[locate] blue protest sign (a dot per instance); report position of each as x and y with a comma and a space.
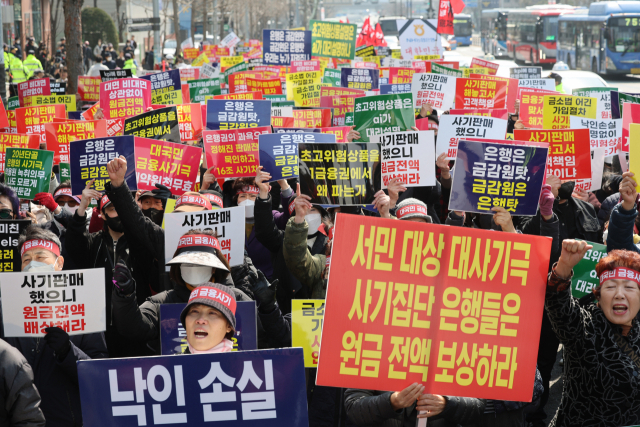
165, 87
279, 153
297, 130
360, 78
283, 46
89, 157
384, 80
173, 337
396, 88
75, 115
254, 388
491, 174
237, 114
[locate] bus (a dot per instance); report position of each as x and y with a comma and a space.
493, 32
605, 39
462, 27
531, 33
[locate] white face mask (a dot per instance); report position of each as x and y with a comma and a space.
40, 266
195, 274
248, 207
69, 209
315, 221
604, 236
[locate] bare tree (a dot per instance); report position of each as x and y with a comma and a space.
55, 10
176, 25
73, 33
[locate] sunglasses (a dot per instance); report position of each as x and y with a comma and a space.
6, 214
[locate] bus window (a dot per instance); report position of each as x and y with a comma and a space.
461, 27
549, 28
625, 35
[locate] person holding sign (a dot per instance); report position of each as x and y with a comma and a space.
54, 357
623, 217
601, 342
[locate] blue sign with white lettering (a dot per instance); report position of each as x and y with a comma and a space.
237, 114
250, 388
360, 78
173, 336
395, 88
297, 130
283, 46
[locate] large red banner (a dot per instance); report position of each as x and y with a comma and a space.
476, 93
32, 119
512, 88
456, 309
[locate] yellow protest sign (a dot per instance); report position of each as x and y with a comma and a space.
375, 59
426, 57
475, 70
396, 53
170, 207
201, 59
168, 97
557, 109
297, 29
230, 61
300, 79
509, 137
308, 95
306, 328
634, 151
69, 101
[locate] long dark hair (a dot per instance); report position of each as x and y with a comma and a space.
219, 276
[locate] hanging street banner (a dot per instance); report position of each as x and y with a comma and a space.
375, 115
233, 153
27, 171
332, 39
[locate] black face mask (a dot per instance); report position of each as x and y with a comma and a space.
566, 190
154, 215
114, 223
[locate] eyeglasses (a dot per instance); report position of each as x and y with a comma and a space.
6, 214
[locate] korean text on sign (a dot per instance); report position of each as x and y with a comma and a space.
283, 46
437, 90
306, 328
279, 153
409, 156
59, 135
476, 93
603, 133
10, 230
375, 115
454, 128
28, 171
458, 310
236, 114
233, 153
558, 108
161, 124
14, 140
124, 98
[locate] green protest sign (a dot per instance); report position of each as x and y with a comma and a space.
439, 69
331, 77
28, 171
13, 103
65, 172
242, 66
332, 39
283, 104
199, 89
348, 119
585, 279
375, 115
276, 98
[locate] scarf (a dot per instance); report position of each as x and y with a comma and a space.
224, 347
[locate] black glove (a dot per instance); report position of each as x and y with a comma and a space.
245, 272
265, 295
122, 280
161, 192
59, 342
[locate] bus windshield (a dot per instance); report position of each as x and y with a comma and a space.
461, 27
389, 27
549, 28
625, 34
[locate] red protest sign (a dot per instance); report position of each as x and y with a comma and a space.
115, 127
399, 75
341, 104
569, 151
340, 132
630, 114
32, 88
498, 113
4, 119
445, 18
124, 98
166, 163
312, 118
476, 93
531, 103
238, 82
31, 120
337, 91
240, 95
298, 66
265, 86
233, 153
282, 122
425, 66
89, 113
190, 52
189, 121
187, 74
59, 135
491, 66
89, 88
512, 88
14, 140
458, 310
425, 124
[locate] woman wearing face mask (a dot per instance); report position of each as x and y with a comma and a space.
197, 260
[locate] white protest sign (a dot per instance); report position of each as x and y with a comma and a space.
228, 224
230, 40
72, 300
282, 111
409, 156
597, 167
418, 37
395, 62
603, 95
547, 84
208, 71
453, 128
605, 133
436, 89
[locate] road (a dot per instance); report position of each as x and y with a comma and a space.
464, 54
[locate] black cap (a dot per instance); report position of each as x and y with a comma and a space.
127, 55
30, 51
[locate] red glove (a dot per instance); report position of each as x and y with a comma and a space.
546, 200
46, 200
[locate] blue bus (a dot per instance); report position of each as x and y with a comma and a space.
493, 32
462, 28
605, 39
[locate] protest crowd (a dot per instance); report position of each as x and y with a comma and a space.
347, 234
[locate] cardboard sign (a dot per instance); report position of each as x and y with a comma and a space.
10, 230
481, 63
437, 90
585, 279
546, 84
531, 103
454, 128
89, 158
14, 140
28, 171
361, 316
306, 328
274, 380
72, 300
375, 115
31, 120
339, 174
409, 156
603, 96
160, 124
108, 75
233, 153
124, 98
237, 114
525, 72
173, 335
418, 37
228, 224
506, 175
89, 88
569, 151
477, 93
557, 109
33, 87
360, 78
59, 135
174, 165
166, 87
603, 133
333, 39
